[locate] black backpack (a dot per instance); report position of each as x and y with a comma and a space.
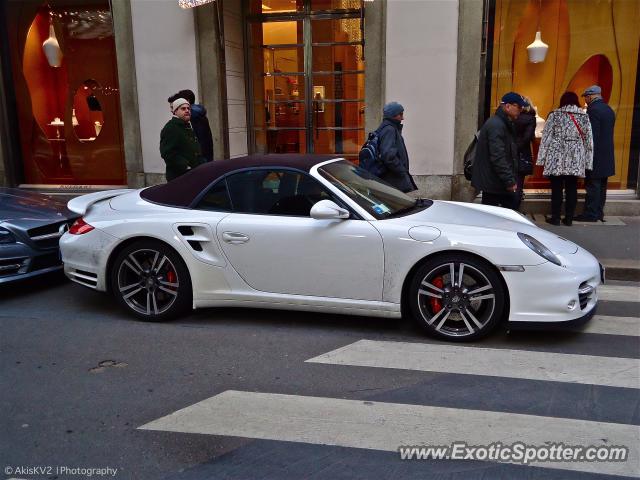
470, 156
369, 156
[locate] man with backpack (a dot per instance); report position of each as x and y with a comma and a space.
496, 161
393, 159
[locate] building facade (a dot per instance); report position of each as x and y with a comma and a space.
85, 83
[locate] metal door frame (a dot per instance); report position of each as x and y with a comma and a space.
306, 16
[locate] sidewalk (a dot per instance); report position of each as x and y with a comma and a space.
615, 243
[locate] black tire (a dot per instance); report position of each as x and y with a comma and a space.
151, 281
453, 311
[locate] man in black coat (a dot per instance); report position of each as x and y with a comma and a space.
199, 123
393, 152
495, 167
525, 126
603, 119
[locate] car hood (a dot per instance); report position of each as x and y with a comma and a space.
485, 216
30, 209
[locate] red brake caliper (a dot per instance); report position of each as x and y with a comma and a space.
436, 304
171, 276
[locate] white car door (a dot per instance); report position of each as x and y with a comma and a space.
286, 251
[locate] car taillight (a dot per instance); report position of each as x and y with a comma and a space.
80, 227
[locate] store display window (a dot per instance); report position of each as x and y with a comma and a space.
307, 81
542, 48
63, 67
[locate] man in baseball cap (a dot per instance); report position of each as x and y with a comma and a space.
603, 119
495, 167
513, 98
592, 90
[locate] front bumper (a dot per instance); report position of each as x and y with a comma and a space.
19, 262
550, 293
554, 326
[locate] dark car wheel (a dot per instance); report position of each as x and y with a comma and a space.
457, 297
150, 280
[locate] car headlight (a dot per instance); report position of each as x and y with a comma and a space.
6, 236
539, 248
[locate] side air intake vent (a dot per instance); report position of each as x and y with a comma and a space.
195, 245
201, 241
186, 230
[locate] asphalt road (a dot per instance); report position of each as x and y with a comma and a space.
79, 378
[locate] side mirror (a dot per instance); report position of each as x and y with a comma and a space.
326, 209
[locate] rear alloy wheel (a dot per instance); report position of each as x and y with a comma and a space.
150, 280
457, 297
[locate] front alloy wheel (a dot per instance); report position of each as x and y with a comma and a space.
150, 280
458, 297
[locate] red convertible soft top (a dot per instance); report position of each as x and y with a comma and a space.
183, 190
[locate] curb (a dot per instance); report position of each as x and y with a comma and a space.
617, 272
621, 269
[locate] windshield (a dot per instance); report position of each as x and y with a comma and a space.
371, 193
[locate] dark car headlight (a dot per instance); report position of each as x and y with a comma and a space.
539, 248
6, 236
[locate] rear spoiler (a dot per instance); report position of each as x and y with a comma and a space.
82, 203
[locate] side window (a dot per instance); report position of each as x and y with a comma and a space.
275, 192
246, 192
216, 199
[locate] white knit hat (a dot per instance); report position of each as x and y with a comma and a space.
177, 103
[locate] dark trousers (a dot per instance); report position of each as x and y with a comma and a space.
570, 185
520, 190
506, 200
596, 196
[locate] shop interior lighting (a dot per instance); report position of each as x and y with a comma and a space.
537, 50
51, 47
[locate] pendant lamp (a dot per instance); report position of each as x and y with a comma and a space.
51, 47
537, 50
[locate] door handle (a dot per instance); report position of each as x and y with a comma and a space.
234, 237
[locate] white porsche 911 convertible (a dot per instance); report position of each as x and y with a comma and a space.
318, 233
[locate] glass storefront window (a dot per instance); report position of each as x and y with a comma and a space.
339, 141
269, 7
348, 56
589, 43
275, 6
347, 86
338, 30
66, 86
319, 5
281, 115
307, 79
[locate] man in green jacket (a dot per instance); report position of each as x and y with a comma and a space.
179, 146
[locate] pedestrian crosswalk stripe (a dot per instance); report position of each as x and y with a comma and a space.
609, 325
619, 293
557, 367
387, 426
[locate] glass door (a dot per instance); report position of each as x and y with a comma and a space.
307, 76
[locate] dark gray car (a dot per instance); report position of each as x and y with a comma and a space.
31, 225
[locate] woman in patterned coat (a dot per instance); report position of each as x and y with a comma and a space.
566, 151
